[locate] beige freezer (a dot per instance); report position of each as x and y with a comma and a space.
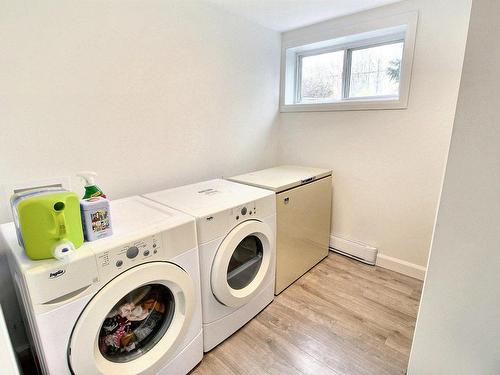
303, 205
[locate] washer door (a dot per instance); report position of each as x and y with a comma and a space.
242, 262
134, 324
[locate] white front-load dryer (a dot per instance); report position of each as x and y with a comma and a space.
236, 227
126, 304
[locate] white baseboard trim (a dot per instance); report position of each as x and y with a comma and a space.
401, 266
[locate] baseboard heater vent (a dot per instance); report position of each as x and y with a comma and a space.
354, 249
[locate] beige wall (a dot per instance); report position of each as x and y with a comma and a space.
388, 165
458, 326
150, 94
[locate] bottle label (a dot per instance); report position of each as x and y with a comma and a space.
99, 220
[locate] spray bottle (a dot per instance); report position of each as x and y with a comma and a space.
95, 209
91, 189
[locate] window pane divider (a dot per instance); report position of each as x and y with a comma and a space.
346, 74
298, 79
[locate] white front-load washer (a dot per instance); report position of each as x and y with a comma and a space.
236, 227
126, 304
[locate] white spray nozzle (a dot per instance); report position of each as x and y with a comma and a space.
88, 177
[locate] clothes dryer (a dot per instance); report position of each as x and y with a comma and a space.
236, 226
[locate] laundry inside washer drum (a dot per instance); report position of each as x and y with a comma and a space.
136, 323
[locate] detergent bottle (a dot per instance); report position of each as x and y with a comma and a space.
95, 209
91, 189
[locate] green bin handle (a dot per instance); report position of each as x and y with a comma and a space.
60, 219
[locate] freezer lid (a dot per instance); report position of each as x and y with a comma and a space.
282, 178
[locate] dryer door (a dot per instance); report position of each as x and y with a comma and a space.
134, 324
242, 263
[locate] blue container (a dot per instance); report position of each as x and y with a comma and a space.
96, 218
20, 196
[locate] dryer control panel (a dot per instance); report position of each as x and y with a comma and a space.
244, 212
220, 223
114, 261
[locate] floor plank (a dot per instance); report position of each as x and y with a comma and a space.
341, 318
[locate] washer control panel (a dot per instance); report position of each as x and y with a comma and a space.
114, 261
132, 252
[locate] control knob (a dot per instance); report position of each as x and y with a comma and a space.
132, 252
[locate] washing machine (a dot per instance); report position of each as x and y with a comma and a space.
236, 226
126, 304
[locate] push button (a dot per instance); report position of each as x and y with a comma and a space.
244, 211
119, 263
132, 252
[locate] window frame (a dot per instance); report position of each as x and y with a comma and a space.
302, 43
346, 71
348, 78
298, 74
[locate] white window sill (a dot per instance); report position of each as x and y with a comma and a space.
347, 105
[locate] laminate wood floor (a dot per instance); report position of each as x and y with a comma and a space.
342, 317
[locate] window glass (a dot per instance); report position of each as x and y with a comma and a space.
375, 71
245, 262
136, 323
321, 77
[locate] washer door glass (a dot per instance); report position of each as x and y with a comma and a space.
245, 262
136, 323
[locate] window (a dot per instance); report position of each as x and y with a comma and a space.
367, 70
375, 71
321, 77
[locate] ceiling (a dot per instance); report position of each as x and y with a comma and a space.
284, 15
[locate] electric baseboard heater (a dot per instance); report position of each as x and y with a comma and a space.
354, 249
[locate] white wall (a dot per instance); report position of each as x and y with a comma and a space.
458, 326
388, 165
150, 94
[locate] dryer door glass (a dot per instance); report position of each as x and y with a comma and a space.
245, 262
136, 323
